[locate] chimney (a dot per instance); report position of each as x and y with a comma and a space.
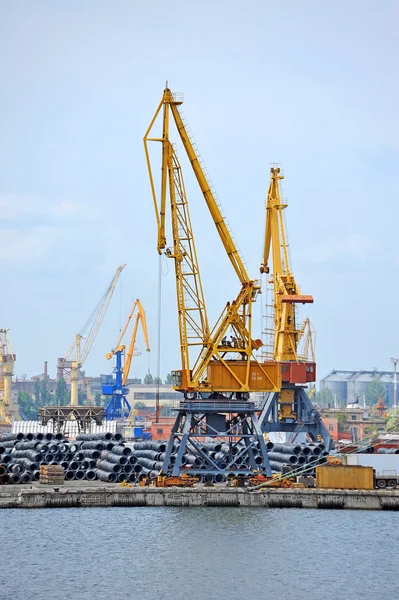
45, 368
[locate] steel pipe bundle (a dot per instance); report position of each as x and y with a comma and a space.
157, 446
31, 445
104, 465
307, 459
8, 444
21, 456
276, 466
106, 476
115, 458
94, 454
6, 437
279, 457
121, 450
288, 449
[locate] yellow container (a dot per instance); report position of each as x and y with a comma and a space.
261, 378
345, 477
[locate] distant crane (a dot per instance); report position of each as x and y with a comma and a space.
76, 355
8, 410
118, 407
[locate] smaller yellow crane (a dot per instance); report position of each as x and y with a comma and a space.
288, 411
286, 290
8, 410
118, 407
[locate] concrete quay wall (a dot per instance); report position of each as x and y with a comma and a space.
108, 496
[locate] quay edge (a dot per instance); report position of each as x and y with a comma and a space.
112, 496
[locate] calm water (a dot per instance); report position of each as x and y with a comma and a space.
198, 554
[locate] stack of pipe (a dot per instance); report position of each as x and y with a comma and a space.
296, 457
107, 458
282, 457
21, 456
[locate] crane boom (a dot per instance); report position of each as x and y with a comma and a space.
96, 318
140, 317
220, 365
173, 101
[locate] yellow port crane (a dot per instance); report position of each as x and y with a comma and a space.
289, 409
219, 367
222, 365
77, 354
118, 405
286, 292
8, 410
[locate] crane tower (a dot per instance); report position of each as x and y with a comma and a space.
288, 410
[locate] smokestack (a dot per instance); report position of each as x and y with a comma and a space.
45, 368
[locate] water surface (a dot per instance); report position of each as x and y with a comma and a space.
198, 554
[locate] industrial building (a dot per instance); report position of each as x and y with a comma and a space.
349, 387
147, 394
353, 424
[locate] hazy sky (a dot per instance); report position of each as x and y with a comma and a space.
311, 85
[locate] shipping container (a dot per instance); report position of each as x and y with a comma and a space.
345, 477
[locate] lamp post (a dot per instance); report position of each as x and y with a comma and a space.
394, 362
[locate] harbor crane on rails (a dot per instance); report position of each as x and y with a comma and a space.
8, 410
219, 368
288, 410
118, 406
76, 355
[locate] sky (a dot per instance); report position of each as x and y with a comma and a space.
310, 85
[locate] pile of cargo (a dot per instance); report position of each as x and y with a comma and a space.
90, 457
105, 457
283, 458
51, 474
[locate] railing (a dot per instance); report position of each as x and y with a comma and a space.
223, 406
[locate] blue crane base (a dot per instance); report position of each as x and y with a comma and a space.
307, 419
233, 424
117, 408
